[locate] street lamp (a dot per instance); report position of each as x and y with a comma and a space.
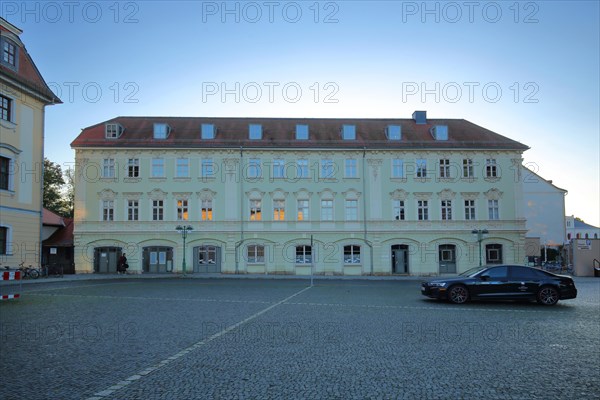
184, 232
480, 233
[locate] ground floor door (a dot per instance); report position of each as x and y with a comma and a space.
157, 259
207, 258
400, 259
105, 259
447, 258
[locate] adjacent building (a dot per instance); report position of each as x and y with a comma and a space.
297, 196
23, 97
577, 229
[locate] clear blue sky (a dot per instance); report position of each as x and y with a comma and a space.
526, 70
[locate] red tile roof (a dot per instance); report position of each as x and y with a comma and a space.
52, 219
63, 237
27, 74
280, 132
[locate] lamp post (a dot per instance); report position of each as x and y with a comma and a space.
480, 233
184, 232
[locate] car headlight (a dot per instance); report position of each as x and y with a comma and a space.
437, 284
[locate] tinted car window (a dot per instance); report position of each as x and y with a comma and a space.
497, 273
526, 273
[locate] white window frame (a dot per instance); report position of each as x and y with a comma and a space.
183, 209
351, 209
108, 168
491, 168
351, 168
303, 213
255, 210
470, 211
327, 213
255, 254
302, 168
444, 168
446, 210
10, 173
133, 210
254, 168
182, 167
207, 168
206, 210
423, 210
493, 210
303, 254
133, 168
278, 210
327, 168
158, 210
108, 210
158, 167
421, 164
468, 168
352, 254
302, 132
278, 168
398, 210
397, 168
161, 131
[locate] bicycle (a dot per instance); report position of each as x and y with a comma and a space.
49, 270
28, 272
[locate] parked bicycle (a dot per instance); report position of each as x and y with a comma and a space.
28, 272
51, 270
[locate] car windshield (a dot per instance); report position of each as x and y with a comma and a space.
472, 271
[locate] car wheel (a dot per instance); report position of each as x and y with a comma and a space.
458, 294
547, 296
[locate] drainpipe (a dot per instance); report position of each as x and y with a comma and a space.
237, 259
364, 182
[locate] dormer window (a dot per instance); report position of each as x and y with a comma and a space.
255, 131
301, 132
9, 52
393, 132
439, 132
113, 131
208, 131
349, 132
161, 131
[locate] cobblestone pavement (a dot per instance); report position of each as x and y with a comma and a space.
270, 339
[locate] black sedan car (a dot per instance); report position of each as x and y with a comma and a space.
510, 282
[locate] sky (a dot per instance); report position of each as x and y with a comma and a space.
526, 70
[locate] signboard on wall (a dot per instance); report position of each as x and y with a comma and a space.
584, 244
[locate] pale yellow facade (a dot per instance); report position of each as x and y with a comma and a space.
21, 153
359, 235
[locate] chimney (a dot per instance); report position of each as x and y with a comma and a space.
420, 117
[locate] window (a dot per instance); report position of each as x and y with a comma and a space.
351, 210
278, 168
493, 253
421, 168
158, 168
278, 210
108, 168
3, 240
108, 210
133, 168
256, 254
161, 131
326, 168
9, 53
444, 168
493, 210
113, 131
301, 132
352, 254
468, 168
348, 132
303, 255
469, 210
6, 105
326, 210
182, 169
303, 214
255, 210
491, 170
397, 168
207, 131
207, 210
398, 210
207, 169
351, 170
182, 210
446, 210
255, 131
302, 167
254, 170
5, 176
527, 273
422, 210
157, 210
133, 210
394, 132
496, 273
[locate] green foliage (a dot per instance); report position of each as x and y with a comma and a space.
58, 193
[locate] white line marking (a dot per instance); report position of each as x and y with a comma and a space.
108, 392
152, 298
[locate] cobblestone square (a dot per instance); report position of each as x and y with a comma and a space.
266, 339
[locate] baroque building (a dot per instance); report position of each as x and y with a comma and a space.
297, 196
23, 97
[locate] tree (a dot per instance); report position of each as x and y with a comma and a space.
53, 183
